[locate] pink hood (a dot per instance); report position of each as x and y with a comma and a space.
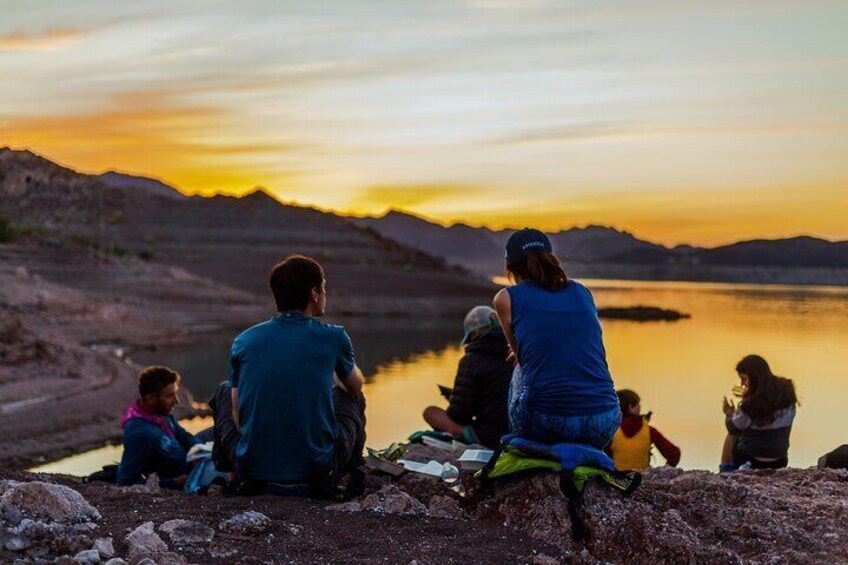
135, 410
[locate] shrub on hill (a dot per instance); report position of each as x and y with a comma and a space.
8, 232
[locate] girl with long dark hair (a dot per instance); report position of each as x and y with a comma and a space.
758, 429
562, 390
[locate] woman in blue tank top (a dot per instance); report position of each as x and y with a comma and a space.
562, 390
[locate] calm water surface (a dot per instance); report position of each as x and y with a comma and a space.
682, 369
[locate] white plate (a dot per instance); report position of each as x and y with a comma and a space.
473, 459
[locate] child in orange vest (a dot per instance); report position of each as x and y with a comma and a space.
631, 446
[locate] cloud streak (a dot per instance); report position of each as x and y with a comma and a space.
598, 132
487, 110
47, 40
152, 132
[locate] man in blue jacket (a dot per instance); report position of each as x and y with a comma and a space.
153, 440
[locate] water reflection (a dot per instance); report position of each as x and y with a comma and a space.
680, 369
377, 342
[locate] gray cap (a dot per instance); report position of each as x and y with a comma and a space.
479, 318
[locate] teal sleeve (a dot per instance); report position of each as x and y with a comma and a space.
346, 360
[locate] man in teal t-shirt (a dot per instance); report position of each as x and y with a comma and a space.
295, 426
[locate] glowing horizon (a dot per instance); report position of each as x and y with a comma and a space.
679, 122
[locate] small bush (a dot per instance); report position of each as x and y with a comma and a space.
145, 254
115, 250
28, 229
8, 233
114, 217
84, 241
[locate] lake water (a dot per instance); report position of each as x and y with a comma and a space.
681, 369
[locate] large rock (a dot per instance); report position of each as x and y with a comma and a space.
351, 506
782, 516
250, 523
187, 532
391, 500
88, 557
17, 542
442, 506
143, 543
150, 486
43, 537
47, 501
104, 547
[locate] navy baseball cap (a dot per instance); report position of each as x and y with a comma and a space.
525, 240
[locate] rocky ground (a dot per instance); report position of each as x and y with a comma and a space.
787, 516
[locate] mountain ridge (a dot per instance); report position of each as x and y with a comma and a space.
232, 241
480, 249
598, 251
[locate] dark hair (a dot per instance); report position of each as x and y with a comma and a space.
766, 393
541, 267
292, 282
153, 379
627, 399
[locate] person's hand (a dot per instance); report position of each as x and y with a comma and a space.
728, 408
511, 358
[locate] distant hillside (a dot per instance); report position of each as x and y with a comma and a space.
602, 244
152, 186
792, 252
478, 249
604, 252
234, 241
482, 249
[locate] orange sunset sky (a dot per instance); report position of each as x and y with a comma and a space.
683, 121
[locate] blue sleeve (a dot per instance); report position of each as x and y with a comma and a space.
346, 361
135, 457
186, 440
590, 298
235, 362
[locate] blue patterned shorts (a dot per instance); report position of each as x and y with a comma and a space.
596, 430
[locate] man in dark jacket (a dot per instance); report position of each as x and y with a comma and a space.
154, 442
477, 412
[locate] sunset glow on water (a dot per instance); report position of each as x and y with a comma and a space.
682, 369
